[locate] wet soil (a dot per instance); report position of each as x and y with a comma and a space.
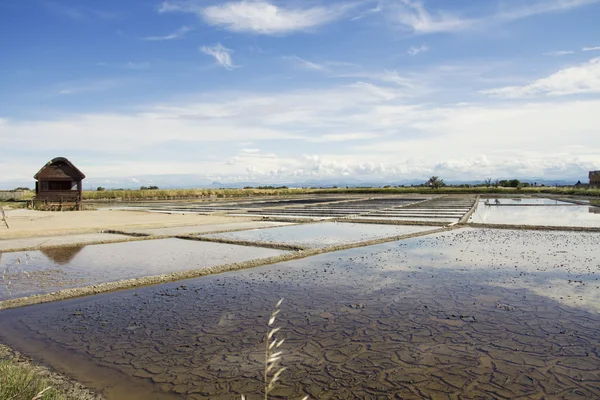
470, 314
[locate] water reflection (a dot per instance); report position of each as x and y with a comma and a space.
567, 215
61, 255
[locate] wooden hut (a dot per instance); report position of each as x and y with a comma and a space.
595, 178
59, 183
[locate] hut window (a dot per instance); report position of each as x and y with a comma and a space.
60, 185
73, 185
45, 186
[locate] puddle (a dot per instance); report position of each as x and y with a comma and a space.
55, 269
462, 314
323, 234
580, 216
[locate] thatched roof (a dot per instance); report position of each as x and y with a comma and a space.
59, 168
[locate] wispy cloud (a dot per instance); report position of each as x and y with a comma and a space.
221, 54
261, 16
72, 88
79, 13
413, 51
558, 53
178, 34
580, 79
305, 64
596, 48
413, 15
137, 65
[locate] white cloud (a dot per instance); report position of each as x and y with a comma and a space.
413, 51
261, 16
178, 34
363, 131
591, 48
581, 79
221, 54
413, 15
558, 53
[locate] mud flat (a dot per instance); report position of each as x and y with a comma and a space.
322, 234
474, 313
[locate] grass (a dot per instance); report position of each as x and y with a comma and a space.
21, 382
241, 193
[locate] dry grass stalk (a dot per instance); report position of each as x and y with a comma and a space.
273, 355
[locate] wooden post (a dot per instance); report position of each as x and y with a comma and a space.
79, 194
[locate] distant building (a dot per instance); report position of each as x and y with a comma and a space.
59, 182
594, 178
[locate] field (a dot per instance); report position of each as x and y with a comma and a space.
413, 295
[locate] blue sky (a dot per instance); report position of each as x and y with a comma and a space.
281, 91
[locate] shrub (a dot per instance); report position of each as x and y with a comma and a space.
20, 382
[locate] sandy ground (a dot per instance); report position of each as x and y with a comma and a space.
29, 223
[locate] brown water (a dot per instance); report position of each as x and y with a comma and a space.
49, 270
473, 314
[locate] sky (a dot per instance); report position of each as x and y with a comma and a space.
276, 91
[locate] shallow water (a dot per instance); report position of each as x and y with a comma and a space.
470, 313
323, 234
573, 215
524, 201
49, 270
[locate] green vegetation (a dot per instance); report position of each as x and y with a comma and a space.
6, 204
22, 382
435, 182
237, 193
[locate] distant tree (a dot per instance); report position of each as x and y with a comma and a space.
149, 188
435, 182
100, 189
487, 182
21, 188
514, 183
